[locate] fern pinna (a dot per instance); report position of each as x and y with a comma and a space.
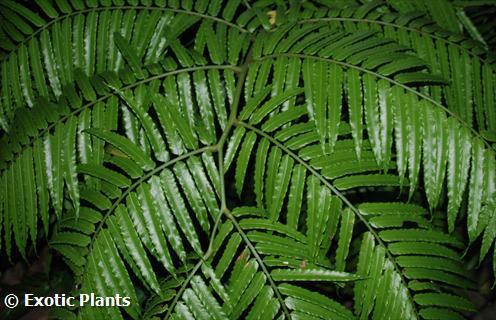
259, 160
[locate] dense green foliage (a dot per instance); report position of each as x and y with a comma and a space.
259, 160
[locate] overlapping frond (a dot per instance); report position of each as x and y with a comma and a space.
449, 54
79, 40
402, 255
50, 139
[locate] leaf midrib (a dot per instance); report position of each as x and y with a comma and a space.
97, 9
392, 81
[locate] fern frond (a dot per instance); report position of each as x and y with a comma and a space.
228, 160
